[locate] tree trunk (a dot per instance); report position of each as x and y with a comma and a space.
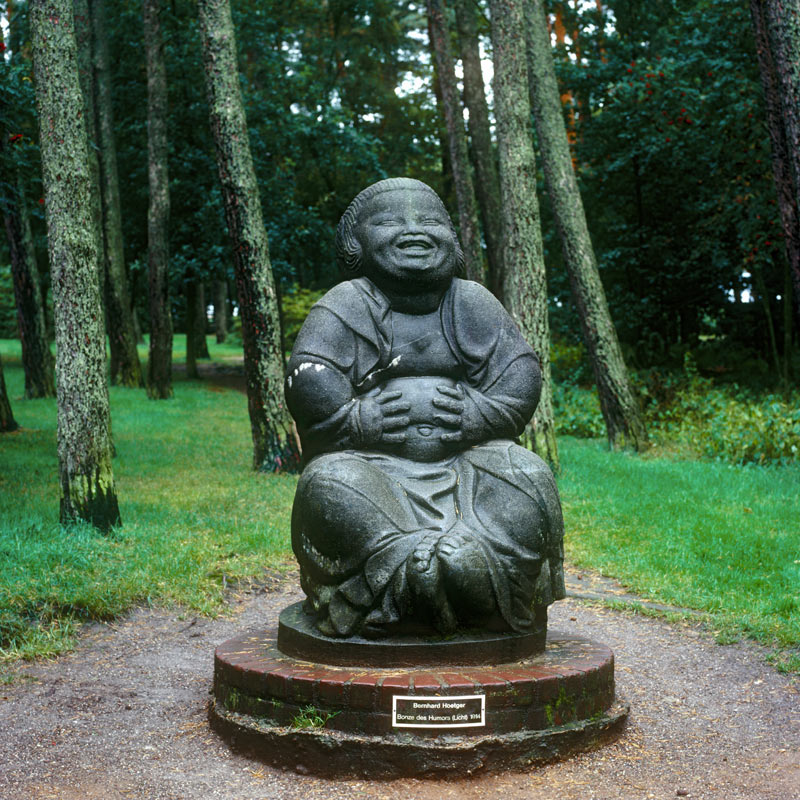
221, 310
37, 360
487, 182
159, 367
7, 421
201, 322
621, 412
83, 42
126, 369
274, 442
775, 75
196, 346
190, 293
525, 283
457, 141
84, 445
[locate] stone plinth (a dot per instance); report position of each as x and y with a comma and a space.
343, 719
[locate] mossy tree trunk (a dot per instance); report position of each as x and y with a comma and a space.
221, 310
274, 442
84, 446
524, 283
126, 370
456, 140
623, 417
487, 181
7, 421
37, 360
776, 83
159, 366
83, 42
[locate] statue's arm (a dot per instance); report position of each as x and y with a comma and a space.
320, 394
504, 380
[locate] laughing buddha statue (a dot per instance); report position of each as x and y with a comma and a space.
417, 512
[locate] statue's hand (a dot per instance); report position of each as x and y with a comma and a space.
383, 418
461, 415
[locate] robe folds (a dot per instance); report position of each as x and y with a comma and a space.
364, 512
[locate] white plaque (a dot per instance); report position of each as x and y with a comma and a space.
426, 711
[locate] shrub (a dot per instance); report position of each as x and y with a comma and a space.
687, 411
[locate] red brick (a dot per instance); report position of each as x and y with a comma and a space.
331, 689
425, 683
396, 684
457, 683
362, 692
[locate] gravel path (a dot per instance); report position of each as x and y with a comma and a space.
125, 717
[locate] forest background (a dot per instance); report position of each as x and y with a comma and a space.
669, 138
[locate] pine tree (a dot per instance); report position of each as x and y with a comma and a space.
159, 367
525, 282
457, 140
621, 412
84, 445
274, 442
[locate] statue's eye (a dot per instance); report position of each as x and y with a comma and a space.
385, 221
432, 221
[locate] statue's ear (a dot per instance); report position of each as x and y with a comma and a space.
348, 251
352, 259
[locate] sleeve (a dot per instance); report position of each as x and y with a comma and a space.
504, 379
318, 389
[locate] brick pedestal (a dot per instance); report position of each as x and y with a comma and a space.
338, 720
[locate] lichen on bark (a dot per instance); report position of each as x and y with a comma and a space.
274, 442
525, 283
618, 402
84, 447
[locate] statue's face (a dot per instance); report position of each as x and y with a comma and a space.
406, 240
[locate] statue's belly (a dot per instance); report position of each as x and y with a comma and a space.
423, 434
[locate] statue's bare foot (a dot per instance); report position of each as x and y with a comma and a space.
465, 575
425, 580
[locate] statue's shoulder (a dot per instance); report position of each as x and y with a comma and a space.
347, 297
476, 302
338, 296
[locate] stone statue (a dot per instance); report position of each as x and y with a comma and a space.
417, 513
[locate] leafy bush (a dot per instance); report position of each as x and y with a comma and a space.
295, 305
577, 411
687, 411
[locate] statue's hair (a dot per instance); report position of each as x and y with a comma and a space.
348, 250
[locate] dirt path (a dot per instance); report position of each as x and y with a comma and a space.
125, 717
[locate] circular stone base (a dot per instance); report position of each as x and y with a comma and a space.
298, 636
346, 720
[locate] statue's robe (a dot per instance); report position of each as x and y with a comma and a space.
360, 513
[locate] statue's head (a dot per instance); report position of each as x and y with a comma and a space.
397, 231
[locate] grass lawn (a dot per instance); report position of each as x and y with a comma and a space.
724, 540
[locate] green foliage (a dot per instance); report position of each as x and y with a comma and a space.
674, 161
324, 119
714, 537
312, 717
690, 414
722, 422
295, 305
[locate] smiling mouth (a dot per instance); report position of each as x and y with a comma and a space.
415, 244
